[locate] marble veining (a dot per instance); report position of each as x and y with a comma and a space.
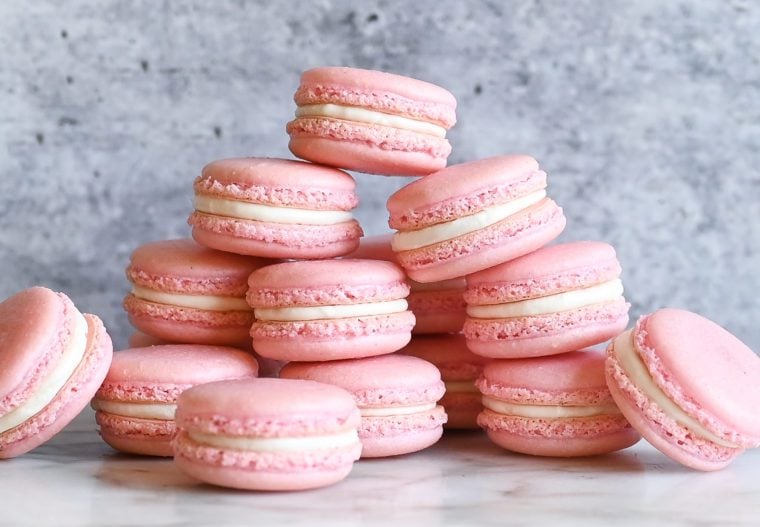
77, 480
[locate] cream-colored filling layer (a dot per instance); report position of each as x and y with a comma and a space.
205, 302
407, 240
536, 411
163, 412
267, 213
451, 284
290, 314
395, 410
461, 386
596, 294
638, 374
71, 357
362, 115
277, 444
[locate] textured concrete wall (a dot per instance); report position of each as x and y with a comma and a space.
646, 116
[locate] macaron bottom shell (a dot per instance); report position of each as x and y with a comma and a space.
147, 437
462, 409
395, 435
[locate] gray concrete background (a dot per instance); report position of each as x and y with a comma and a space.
646, 116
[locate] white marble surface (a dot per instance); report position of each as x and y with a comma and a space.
77, 480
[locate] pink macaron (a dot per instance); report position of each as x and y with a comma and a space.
275, 208
689, 386
396, 394
183, 292
267, 434
438, 307
459, 369
52, 360
472, 216
553, 406
318, 310
556, 299
371, 121
135, 404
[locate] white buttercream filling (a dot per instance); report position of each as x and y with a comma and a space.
596, 294
205, 302
290, 314
461, 386
638, 374
161, 411
66, 364
407, 240
277, 444
268, 213
362, 115
536, 411
452, 284
385, 411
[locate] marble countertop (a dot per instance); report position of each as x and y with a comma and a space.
77, 480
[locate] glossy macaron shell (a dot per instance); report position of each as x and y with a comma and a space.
371, 121
396, 395
557, 299
331, 309
285, 434
689, 386
184, 292
53, 360
472, 216
556, 406
275, 208
136, 402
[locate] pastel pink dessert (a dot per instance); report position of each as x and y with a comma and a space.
396, 394
52, 360
459, 369
438, 307
472, 216
275, 208
689, 386
371, 121
552, 406
183, 292
267, 434
330, 309
556, 299
135, 404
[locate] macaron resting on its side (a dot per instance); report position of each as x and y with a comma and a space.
329, 309
472, 216
689, 386
267, 434
459, 369
183, 292
135, 404
438, 307
556, 299
552, 406
371, 121
396, 394
52, 360
275, 208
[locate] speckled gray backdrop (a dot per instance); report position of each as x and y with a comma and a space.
646, 116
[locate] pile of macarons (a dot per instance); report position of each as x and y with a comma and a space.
278, 345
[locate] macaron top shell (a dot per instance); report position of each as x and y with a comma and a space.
267, 408
704, 369
161, 372
546, 271
381, 91
376, 381
464, 189
34, 326
326, 282
278, 182
183, 266
449, 353
573, 378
